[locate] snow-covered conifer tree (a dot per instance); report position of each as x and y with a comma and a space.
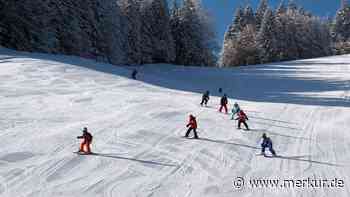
266, 38
260, 12
131, 10
194, 36
156, 39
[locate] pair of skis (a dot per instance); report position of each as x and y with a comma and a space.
265, 155
84, 153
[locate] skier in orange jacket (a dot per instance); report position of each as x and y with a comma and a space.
87, 140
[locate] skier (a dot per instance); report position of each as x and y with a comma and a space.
235, 110
223, 103
133, 74
242, 118
87, 139
205, 98
267, 143
220, 90
192, 125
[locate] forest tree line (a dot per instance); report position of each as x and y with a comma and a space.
287, 33
151, 31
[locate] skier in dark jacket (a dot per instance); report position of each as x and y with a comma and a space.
87, 140
242, 118
223, 103
192, 125
133, 74
205, 98
220, 90
267, 143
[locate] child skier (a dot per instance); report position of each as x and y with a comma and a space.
267, 143
235, 110
205, 98
242, 118
133, 74
220, 90
223, 103
87, 139
192, 125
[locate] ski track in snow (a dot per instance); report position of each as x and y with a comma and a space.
138, 128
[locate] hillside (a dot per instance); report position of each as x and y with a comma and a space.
138, 125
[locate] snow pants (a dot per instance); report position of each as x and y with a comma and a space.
194, 131
204, 101
270, 149
85, 144
223, 106
244, 122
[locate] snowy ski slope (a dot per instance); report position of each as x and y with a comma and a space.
45, 101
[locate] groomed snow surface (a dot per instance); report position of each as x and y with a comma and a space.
138, 128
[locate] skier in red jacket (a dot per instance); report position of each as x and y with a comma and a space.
192, 125
242, 118
87, 139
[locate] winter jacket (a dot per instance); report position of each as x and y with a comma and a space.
266, 142
86, 136
224, 100
205, 96
236, 109
242, 116
192, 123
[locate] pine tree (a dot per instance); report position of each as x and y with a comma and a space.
112, 35
90, 29
341, 29
239, 47
281, 9
194, 37
23, 25
285, 34
131, 10
156, 40
237, 24
249, 17
266, 39
229, 53
312, 36
292, 5
260, 12
246, 47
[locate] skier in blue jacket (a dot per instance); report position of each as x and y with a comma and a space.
267, 143
235, 110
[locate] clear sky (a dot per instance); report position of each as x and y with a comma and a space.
223, 10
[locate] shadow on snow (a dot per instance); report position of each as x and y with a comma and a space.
295, 158
133, 159
309, 160
274, 83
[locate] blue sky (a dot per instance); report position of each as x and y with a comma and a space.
223, 10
